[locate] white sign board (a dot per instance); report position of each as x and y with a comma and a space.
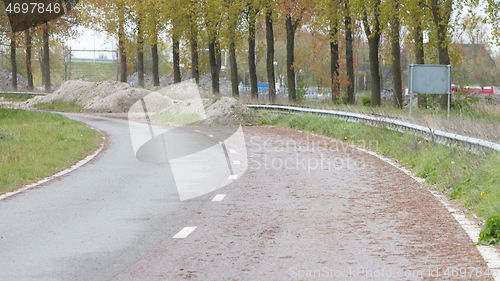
429, 79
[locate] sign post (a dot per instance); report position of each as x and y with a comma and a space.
429, 79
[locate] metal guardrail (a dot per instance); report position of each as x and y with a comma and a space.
468, 143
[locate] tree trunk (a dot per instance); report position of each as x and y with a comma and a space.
29, 73
373, 45
42, 68
334, 62
349, 56
194, 57
140, 54
444, 59
441, 23
13, 63
194, 47
251, 54
290, 71
271, 79
154, 55
121, 46
156, 74
234, 68
176, 57
396, 64
46, 63
219, 63
213, 65
419, 59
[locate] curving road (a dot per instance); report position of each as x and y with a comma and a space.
308, 208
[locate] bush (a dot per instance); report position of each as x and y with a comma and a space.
366, 100
342, 99
463, 100
491, 231
301, 93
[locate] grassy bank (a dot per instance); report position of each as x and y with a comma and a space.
475, 119
471, 180
34, 145
59, 105
93, 72
16, 97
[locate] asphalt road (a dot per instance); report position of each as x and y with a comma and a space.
96, 221
306, 209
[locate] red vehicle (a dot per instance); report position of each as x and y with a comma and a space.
490, 90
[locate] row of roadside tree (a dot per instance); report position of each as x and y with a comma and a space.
231, 25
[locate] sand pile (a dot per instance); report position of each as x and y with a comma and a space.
102, 97
228, 111
191, 101
205, 82
6, 82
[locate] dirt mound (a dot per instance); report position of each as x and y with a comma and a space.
186, 90
192, 106
6, 82
205, 82
102, 97
228, 111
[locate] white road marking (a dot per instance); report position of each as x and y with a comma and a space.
232, 150
236, 162
61, 173
218, 197
211, 136
489, 253
232, 177
185, 232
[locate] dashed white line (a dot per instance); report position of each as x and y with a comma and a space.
232, 151
236, 162
210, 136
218, 197
232, 177
184, 232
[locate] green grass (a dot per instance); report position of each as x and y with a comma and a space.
16, 97
60, 105
181, 119
93, 72
471, 180
34, 145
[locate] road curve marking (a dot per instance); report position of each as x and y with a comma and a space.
184, 232
61, 173
218, 197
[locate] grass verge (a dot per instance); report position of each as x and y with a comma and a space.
34, 145
60, 105
471, 180
181, 119
16, 97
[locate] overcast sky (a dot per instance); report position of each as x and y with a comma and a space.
89, 40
